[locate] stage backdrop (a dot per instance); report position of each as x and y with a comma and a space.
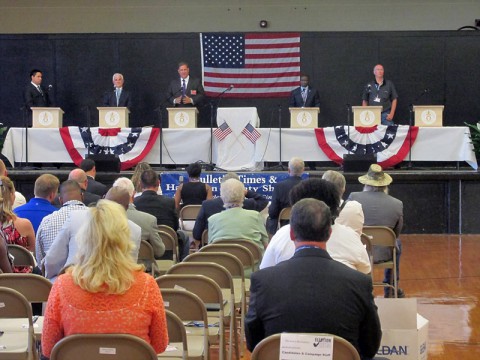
80, 66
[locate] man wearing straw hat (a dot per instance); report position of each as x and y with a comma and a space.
381, 209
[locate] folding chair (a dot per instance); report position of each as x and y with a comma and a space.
177, 336
171, 245
284, 217
269, 348
235, 267
224, 279
191, 310
14, 312
146, 256
381, 237
241, 252
35, 288
22, 256
256, 251
101, 347
211, 295
188, 213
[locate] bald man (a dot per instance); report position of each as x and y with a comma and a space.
64, 248
81, 178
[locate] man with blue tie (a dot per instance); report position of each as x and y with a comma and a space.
304, 95
119, 97
185, 91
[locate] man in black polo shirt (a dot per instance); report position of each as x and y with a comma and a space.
381, 92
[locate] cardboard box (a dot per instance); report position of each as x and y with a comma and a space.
404, 331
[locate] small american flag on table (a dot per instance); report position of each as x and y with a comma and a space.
222, 131
251, 133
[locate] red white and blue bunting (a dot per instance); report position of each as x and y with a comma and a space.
390, 143
130, 144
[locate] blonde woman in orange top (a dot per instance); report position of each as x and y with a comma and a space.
106, 291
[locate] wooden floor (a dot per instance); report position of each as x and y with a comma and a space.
443, 273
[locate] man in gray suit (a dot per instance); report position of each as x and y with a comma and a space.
381, 209
146, 221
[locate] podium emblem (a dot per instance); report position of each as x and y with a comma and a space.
304, 119
182, 118
45, 118
367, 117
112, 118
429, 117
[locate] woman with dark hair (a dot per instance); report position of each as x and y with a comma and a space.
14, 230
192, 192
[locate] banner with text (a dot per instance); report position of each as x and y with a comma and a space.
262, 183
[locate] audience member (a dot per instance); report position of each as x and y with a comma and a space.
81, 178
312, 293
14, 230
137, 173
162, 207
45, 191
19, 198
71, 200
344, 245
194, 191
93, 186
350, 212
236, 222
146, 221
253, 201
381, 209
106, 291
64, 248
280, 199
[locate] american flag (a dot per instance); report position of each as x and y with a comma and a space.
251, 133
257, 65
222, 131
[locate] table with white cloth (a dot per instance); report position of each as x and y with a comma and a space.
236, 151
183, 146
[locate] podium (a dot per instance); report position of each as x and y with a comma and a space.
47, 117
113, 117
428, 115
305, 118
182, 118
367, 116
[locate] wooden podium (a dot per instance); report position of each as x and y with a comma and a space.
113, 117
47, 117
367, 116
182, 117
428, 115
304, 117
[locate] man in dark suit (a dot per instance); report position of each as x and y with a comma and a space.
253, 201
81, 178
185, 91
304, 95
311, 292
162, 207
35, 95
281, 190
94, 186
119, 97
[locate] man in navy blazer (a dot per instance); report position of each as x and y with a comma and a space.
35, 94
311, 292
304, 95
185, 91
123, 99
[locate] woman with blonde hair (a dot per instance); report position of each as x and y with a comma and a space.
13, 229
137, 173
106, 291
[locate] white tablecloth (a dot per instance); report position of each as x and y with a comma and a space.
183, 146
